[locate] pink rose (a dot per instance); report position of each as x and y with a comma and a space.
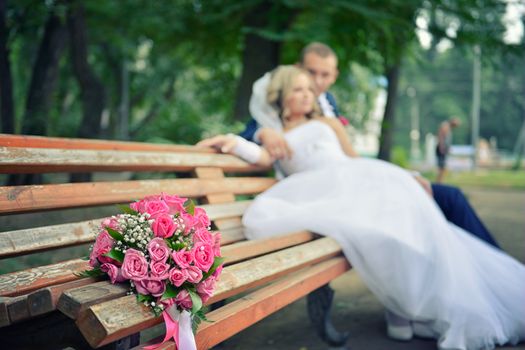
217, 244
217, 271
182, 258
206, 288
158, 249
190, 222
203, 256
114, 273
150, 285
178, 277
163, 226
175, 203
167, 302
159, 269
103, 244
111, 223
156, 208
152, 205
135, 266
183, 299
202, 235
201, 218
194, 274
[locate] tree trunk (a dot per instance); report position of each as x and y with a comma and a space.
260, 54
91, 89
388, 124
7, 112
44, 76
41, 88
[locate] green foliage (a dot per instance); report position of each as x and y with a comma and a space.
116, 255
400, 157
183, 60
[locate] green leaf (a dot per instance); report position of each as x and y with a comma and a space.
115, 234
95, 272
216, 263
195, 300
115, 254
171, 292
126, 209
190, 207
142, 298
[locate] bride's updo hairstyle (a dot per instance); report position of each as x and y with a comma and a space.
281, 84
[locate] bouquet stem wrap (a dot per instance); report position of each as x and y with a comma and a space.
178, 327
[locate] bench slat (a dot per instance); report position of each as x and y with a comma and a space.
18, 199
19, 242
23, 282
39, 302
245, 311
248, 249
9, 140
76, 300
106, 322
45, 160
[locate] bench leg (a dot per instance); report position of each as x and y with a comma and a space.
319, 307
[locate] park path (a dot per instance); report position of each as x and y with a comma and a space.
357, 310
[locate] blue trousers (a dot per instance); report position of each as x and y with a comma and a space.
457, 210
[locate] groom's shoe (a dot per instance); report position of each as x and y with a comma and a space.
397, 327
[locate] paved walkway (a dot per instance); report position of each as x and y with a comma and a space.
357, 310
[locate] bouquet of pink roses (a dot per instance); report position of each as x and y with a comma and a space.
163, 246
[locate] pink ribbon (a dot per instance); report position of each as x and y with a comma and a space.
178, 327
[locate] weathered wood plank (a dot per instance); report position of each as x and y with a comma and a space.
105, 322
30, 141
229, 223
19, 242
232, 235
15, 160
23, 282
74, 301
45, 300
17, 199
247, 310
248, 249
17, 309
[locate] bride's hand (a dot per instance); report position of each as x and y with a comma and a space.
223, 143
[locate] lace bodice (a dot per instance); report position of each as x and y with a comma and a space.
314, 145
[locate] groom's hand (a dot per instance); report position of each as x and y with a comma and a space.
273, 141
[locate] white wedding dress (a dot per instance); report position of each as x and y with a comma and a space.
469, 294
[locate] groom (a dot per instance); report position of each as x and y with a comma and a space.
321, 62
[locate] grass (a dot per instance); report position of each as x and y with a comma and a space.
505, 179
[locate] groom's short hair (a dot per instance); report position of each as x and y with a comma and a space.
319, 49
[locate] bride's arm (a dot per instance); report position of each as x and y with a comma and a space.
236, 145
341, 134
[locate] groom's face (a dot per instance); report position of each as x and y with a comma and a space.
322, 69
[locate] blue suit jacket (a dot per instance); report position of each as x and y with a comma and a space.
252, 126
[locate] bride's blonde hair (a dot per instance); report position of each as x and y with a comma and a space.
280, 87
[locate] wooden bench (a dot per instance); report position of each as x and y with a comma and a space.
52, 304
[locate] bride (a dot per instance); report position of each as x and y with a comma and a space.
447, 283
